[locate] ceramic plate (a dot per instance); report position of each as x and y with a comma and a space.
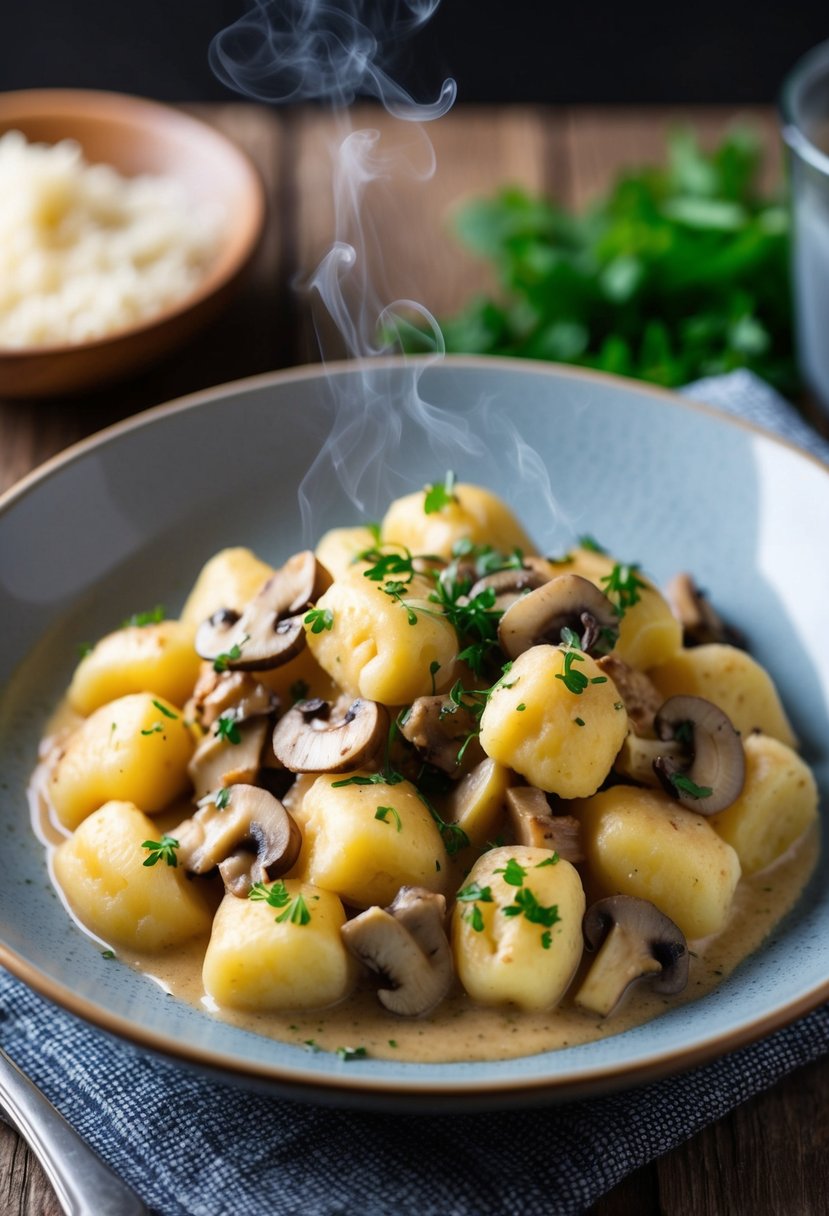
129, 517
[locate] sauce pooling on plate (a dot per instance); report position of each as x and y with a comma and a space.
428, 793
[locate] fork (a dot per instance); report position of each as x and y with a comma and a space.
83, 1184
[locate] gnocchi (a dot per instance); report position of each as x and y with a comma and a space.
425, 753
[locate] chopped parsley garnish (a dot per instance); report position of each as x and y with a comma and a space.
161, 850
352, 1053
162, 708
221, 661
622, 586
157, 728
434, 668
319, 619
474, 894
382, 813
299, 691
311, 1045
225, 727
222, 798
154, 617
108, 954
84, 648
590, 544
383, 778
519, 709
579, 721
525, 904
576, 681
684, 785
513, 873
548, 861
294, 910
440, 495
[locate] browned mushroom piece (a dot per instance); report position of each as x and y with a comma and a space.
270, 631
439, 728
512, 584
222, 759
565, 602
700, 621
635, 941
641, 698
313, 737
533, 824
406, 945
250, 838
712, 774
217, 692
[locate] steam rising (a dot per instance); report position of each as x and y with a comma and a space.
310, 50
302, 50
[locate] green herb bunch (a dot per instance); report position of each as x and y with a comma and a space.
679, 272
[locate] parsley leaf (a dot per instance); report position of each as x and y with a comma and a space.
154, 617
440, 495
319, 619
161, 850
382, 813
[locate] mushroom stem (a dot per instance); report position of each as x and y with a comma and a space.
621, 960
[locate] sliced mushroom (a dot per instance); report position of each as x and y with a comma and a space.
715, 758
406, 945
533, 824
251, 839
313, 738
635, 941
439, 728
701, 623
217, 692
270, 630
217, 762
642, 699
511, 585
566, 602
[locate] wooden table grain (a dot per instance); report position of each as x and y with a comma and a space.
770, 1156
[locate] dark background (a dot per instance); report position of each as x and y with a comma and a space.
498, 50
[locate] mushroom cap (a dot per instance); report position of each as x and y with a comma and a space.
217, 762
565, 602
535, 826
311, 738
633, 941
510, 585
439, 728
717, 759
406, 944
270, 630
251, 839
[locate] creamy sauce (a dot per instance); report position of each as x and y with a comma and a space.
459, 1029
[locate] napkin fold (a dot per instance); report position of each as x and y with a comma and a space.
192, 1146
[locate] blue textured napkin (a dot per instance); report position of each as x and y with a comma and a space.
194, 1147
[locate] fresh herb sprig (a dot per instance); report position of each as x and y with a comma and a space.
677, 273
161, 850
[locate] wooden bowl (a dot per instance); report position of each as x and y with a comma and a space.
135, 136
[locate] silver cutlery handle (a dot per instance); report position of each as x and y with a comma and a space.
83, 1184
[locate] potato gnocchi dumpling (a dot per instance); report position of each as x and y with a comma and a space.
135, 748
516, 928
559, 740
156, 658
640, 842
260, 958
378, 649
366, 840
469, 513
778, 803
428, 763
102, 873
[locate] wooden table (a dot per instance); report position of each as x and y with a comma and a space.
771, 1155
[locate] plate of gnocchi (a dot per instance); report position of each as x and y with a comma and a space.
427, 731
